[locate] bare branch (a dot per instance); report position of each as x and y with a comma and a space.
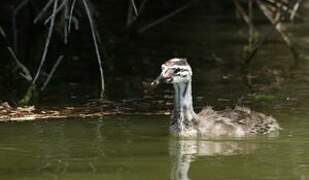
50, 32
71, 14
164, 18
142, 6
2, 32
25, 71
14, 23
94, 37
52, 72
295, 9
134, 7
65, 24
57, 11
279, 27
241, 11
41, 13
130, 18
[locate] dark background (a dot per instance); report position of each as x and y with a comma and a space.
208, 33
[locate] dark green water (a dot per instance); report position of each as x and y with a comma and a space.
138, 147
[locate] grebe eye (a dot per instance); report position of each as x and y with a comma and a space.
177, 70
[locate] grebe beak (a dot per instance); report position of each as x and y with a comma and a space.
157, 81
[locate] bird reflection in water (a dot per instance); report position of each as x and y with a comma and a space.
185, 151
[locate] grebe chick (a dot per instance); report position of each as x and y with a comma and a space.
237, 122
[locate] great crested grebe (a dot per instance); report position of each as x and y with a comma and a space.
237, 122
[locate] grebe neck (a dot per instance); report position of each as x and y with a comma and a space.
184, 117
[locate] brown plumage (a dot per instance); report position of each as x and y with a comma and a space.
237, 122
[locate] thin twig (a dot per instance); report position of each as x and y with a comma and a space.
14, 23
295, 8
142, 7
242, 12
75, 21
65, 24
57, 11
93, 32
279, 27
41, 13
2, 33
131, 19
251, 27
253, 52
21, 5
284, 6
71, 14
25, 71
278, 5
130, 16
164, 18
134, 7
137, 12
50, 32
52, 72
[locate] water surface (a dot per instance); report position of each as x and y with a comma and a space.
139, 147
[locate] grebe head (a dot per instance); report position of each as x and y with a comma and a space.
174, 71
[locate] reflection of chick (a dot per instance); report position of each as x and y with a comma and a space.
238, 122
183, 152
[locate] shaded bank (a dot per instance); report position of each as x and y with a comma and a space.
132, 54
